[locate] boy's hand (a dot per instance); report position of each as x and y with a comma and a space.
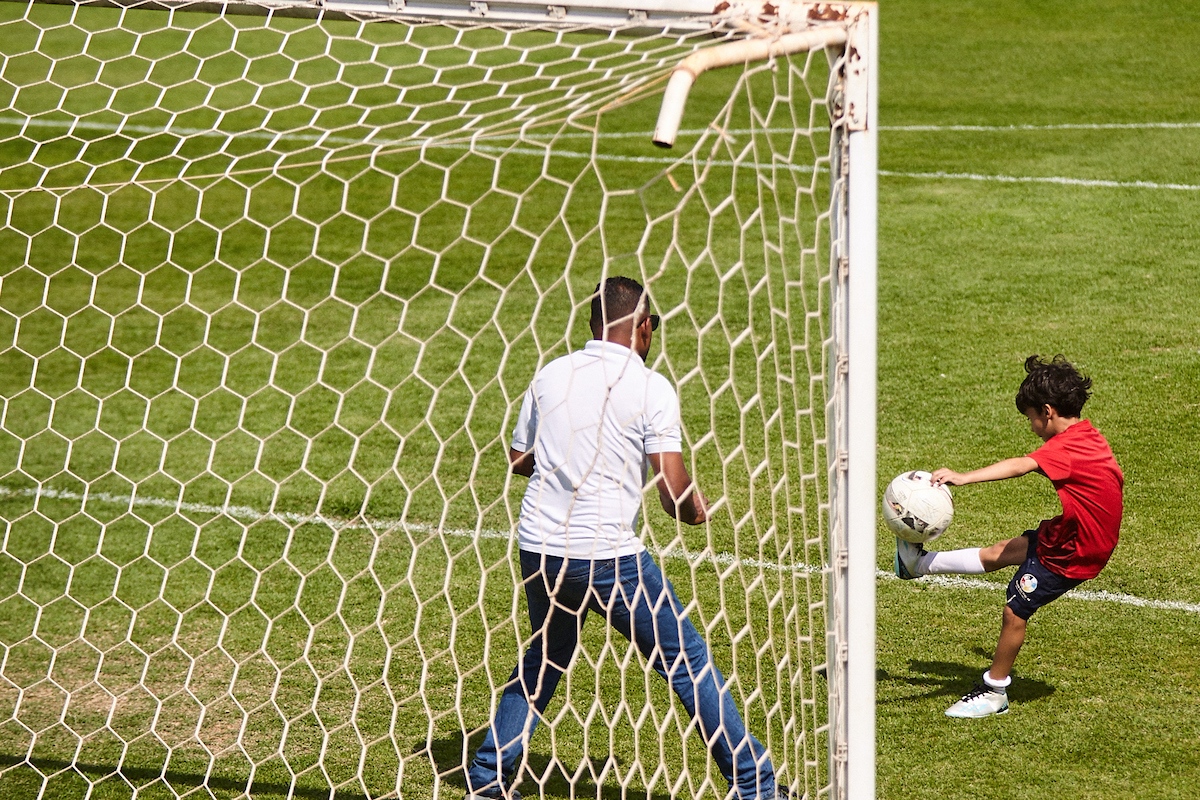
1008, 468
949, 476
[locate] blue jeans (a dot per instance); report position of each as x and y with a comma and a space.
636, 599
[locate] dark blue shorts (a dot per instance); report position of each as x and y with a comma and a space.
1033, 586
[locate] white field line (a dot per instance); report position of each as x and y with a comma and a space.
461, 143
330, 139
1091, 595
1065, 126
1060, 181
80, 124
248, 514
252, 515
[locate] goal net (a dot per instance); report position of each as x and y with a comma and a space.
274, 278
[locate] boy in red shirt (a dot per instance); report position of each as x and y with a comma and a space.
1063, 552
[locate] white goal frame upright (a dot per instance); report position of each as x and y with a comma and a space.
853, 437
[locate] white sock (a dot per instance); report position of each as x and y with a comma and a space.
992, 683
951, 562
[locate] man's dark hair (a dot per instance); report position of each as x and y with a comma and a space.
1053, 383
621, 299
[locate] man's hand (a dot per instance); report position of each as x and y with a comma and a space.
680, 498
700, 503
522, 463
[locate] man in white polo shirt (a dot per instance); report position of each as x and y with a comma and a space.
590, 425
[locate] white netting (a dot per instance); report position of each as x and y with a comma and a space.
272, 289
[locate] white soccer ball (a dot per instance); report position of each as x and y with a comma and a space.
916, 510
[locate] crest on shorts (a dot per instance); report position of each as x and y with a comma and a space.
1028, 583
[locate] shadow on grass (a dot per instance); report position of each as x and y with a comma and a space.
950, 680
143, 777
446, 753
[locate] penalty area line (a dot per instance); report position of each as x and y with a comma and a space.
490, 145
1086, 595
1060, 126
1089, 183
251, 515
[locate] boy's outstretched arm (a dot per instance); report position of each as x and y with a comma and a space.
1008, 468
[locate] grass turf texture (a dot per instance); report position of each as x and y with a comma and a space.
974, 276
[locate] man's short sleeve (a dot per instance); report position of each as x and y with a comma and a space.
662, 417
527, 422
1053, 460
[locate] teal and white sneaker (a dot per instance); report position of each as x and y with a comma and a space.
982, 701
907, 556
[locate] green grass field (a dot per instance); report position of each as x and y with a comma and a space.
244, 350
976, 274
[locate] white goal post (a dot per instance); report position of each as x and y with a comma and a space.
274, 277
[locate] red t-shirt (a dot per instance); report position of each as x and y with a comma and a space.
1089, 483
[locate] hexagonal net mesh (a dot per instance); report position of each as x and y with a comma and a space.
272, 290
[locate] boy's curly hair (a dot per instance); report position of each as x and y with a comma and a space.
1055, 383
